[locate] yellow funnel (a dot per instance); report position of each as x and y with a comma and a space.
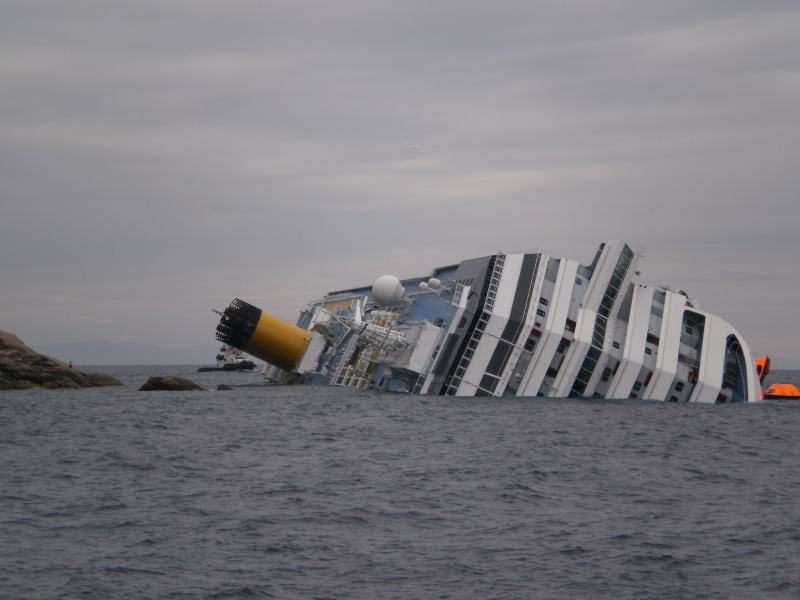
262, 335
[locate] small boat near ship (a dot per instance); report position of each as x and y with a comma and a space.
518, 324
230, 359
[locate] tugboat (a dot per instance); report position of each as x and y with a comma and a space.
230, 359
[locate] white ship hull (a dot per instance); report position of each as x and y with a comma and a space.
526, 324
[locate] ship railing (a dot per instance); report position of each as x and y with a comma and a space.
383, 332
330, 314
369, 331
382, 338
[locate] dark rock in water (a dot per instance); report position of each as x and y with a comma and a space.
224, 388
21, 368
168, 383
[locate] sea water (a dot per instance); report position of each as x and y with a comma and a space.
300, 492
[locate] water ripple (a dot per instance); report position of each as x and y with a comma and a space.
319, 493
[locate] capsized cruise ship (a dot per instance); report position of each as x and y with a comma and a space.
524, 324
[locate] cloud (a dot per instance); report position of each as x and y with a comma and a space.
157, 159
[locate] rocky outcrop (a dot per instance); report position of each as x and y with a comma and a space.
168, 383
21, 368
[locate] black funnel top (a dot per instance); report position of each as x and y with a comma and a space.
237, 324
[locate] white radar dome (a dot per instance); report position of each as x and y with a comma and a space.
387, 291
423, 286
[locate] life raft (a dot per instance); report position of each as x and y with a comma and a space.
782, 390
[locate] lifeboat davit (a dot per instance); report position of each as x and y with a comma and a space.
782, 390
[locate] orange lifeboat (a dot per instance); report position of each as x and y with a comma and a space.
762, 367
782, 390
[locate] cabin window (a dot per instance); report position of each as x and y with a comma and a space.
689, 330
679, 386
560, 349
540, 312
530, 344
637, 386
673, 398
648, 351
606, 373
578, 281
438, 322
462, 322
615, 344
543, 301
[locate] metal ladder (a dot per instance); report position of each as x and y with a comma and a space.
488, 306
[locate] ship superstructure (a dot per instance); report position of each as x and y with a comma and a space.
520, 324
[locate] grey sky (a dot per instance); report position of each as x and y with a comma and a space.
158, 159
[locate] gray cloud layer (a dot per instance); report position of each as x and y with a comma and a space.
159, 158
